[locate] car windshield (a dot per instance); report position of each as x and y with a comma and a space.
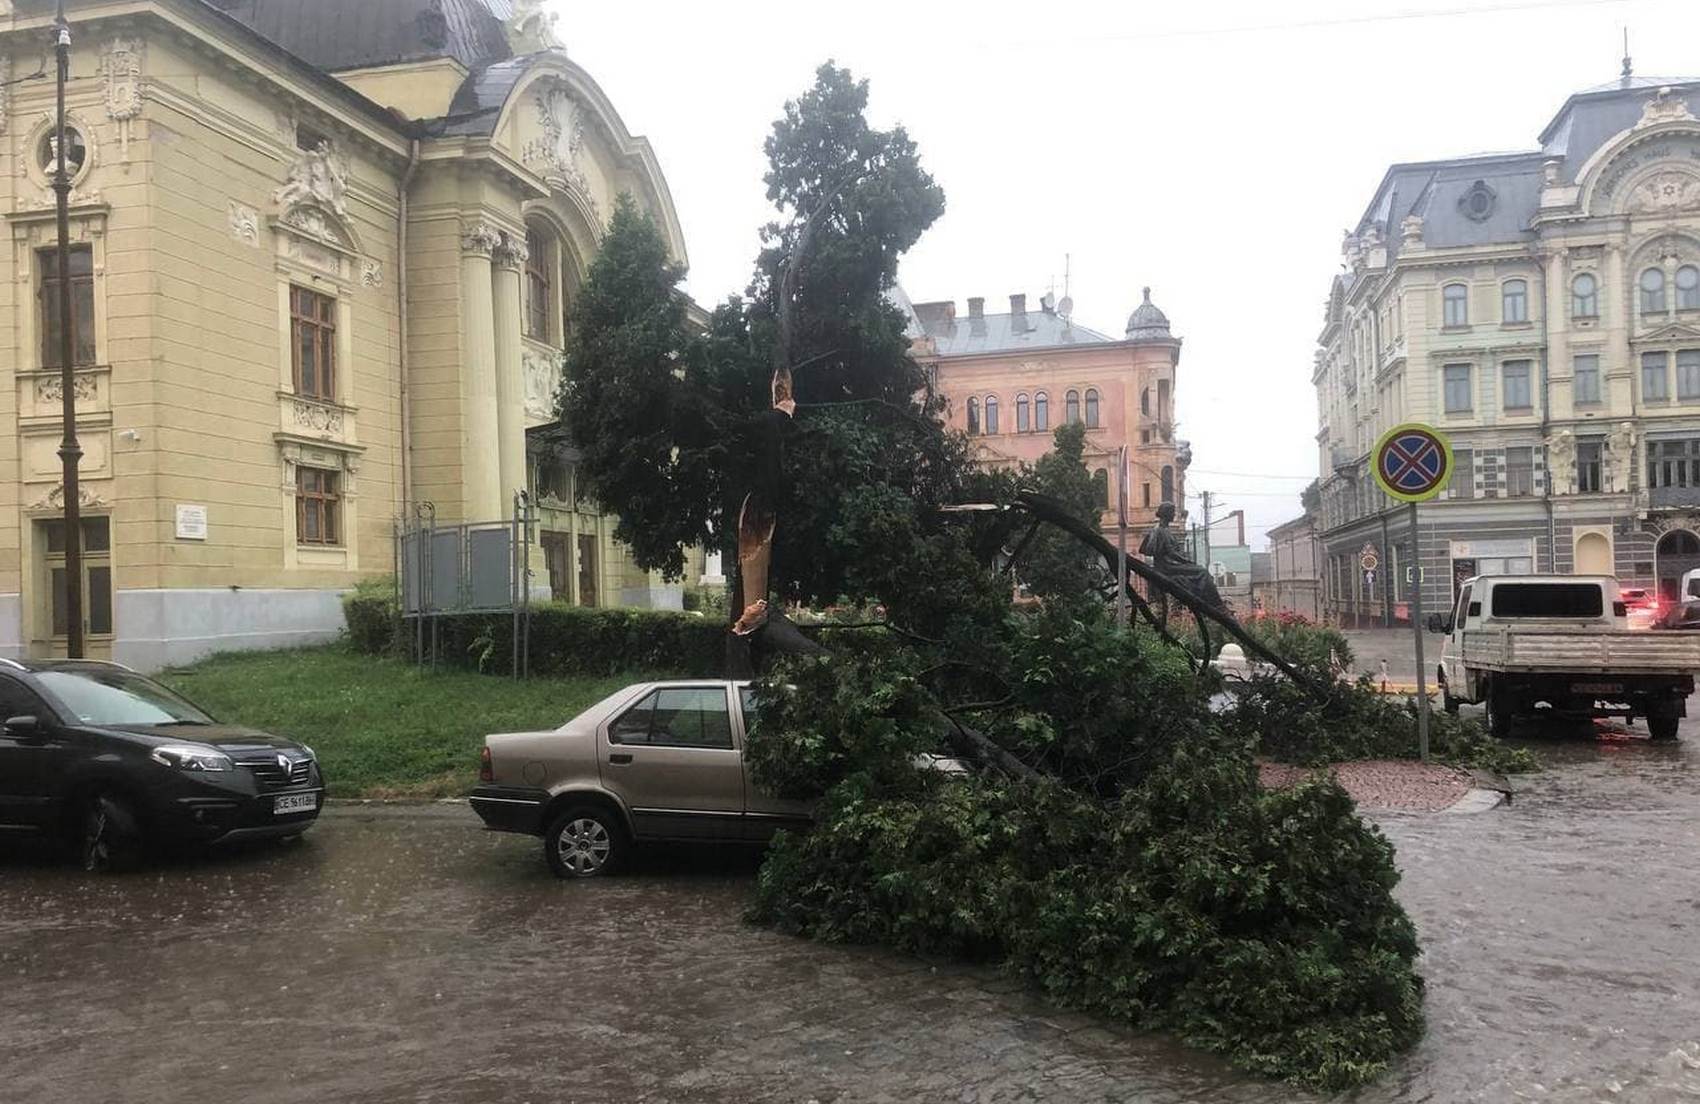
110, 697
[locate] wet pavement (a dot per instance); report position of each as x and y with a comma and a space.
407, 956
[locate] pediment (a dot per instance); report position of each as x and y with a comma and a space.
1674, 331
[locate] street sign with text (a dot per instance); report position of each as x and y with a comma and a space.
1412, 462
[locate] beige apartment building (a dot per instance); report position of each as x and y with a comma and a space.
1009, 379
1543, 309
322, 254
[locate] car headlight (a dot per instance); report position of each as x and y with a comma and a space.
192, 758
311, 754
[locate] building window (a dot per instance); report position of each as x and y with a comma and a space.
1590, 457
97, 574
973, 415
1022, 410
1463, 483
1673, 463
1587, 379
1101, 484
1653, 291
1688, 374
80, 265
312, 324
1145, 402
1519, 472
1041, 412
1091, 408
1655, 383
1516, 379
1071, 407
1514, 299
536, 285
1168, 483
991, 413
1457, 389
1145, 436
1585, 296
317, 507
1145, 495
1455, 301
1688, 288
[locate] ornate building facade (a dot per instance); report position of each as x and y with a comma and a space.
320, 270
1009, 380
1543, 309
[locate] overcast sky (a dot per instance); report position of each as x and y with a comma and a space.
1215, 152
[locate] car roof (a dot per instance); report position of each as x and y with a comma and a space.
33, 666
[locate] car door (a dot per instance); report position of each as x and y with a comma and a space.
1452, 652
25, 785
670, 757
765, 815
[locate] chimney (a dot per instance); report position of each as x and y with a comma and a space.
976, 307
1018, 306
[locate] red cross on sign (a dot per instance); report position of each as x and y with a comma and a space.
1412, 462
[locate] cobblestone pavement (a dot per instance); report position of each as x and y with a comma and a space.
1383, 783
402, 955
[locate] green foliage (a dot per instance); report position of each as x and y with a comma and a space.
1321, 649
383, 727
373, 615
711, 601
1311, 497
1054, 565
565, 640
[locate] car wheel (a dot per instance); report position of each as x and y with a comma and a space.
111, 837
584, 842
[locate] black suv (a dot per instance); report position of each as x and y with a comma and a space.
101, 756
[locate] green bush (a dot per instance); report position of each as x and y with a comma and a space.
565, 640
373, 616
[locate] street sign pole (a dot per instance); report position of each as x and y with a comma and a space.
1417, 630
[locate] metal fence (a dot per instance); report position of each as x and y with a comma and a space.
469, 567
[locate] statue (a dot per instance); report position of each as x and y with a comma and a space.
1621, 445
1161, 547
531, 29
73, 165
316, 178
1561, 462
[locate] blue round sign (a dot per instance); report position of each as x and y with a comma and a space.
1412, 462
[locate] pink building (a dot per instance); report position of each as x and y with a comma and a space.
1011, 379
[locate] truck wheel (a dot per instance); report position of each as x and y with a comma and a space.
1448, 702
1662, 726
586, 841
1498, 713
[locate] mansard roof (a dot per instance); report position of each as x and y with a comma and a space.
356, 34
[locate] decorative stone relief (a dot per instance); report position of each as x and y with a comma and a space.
372, 274
5, 87
1411, 230
54, 500
1665, 191
557, 153
1666, 106
480, 237
317, 417
530, 28
315, 224
542, 383
316, 176
1478, 202
1561, 461
51, 389
121, 80
244, 224
1620, 444
511, 252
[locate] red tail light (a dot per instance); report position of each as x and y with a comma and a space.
486, 769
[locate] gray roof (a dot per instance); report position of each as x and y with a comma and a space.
1004, 333
354, 34
1147, 323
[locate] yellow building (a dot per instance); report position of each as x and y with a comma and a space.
323, 251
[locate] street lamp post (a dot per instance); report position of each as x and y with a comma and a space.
70, 452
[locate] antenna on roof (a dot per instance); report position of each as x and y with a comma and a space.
1066, 308
1628, 66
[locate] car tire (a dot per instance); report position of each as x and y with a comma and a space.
111, 837
585, 841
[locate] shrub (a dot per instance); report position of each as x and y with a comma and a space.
373, 615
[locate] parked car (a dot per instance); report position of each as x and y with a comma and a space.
112, 761
1683, 615
1642, 606
1518, 642
656, 761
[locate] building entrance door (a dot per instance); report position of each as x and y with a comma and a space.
587, 569
557, 555
53, 605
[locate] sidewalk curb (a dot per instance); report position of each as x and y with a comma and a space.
390, 802
1476, 801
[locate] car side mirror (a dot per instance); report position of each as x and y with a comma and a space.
26, 727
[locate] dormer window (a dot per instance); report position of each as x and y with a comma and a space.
1478, 202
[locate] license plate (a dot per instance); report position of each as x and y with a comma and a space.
295, 803
1596, 688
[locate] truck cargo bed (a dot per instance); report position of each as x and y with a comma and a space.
1533, 648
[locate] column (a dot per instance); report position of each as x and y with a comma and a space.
1555, 301
510, 256
481, 481
1616, 307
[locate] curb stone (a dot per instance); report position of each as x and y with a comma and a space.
1476, 801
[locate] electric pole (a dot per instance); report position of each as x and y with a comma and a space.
70, 452
1206, 496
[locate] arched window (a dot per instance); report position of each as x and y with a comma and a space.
1168, 481
1101, 484
991, 413
1653, 291
1585, 296
1041, 412
973, 415
1091, 408
1145, 402
1022, 424
1688, 288
1071, 407
539, 293
1455, 303
1514, 301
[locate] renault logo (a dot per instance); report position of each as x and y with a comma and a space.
283, 763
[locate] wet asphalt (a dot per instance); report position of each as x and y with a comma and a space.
406, 955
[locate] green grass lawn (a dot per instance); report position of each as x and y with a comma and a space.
382, 727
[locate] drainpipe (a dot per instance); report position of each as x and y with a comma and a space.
401, 323
1546, 417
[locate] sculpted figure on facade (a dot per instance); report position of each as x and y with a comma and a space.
1621, 444
1561, 461
316, 177
1665, 107
531, 28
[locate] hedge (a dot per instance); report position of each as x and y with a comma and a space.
565, 640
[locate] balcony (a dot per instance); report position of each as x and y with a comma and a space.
1670, 498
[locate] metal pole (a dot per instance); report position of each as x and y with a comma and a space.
70, 452
518, 569
1416, 567
1121, 539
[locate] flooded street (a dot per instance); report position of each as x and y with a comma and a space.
409, 956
